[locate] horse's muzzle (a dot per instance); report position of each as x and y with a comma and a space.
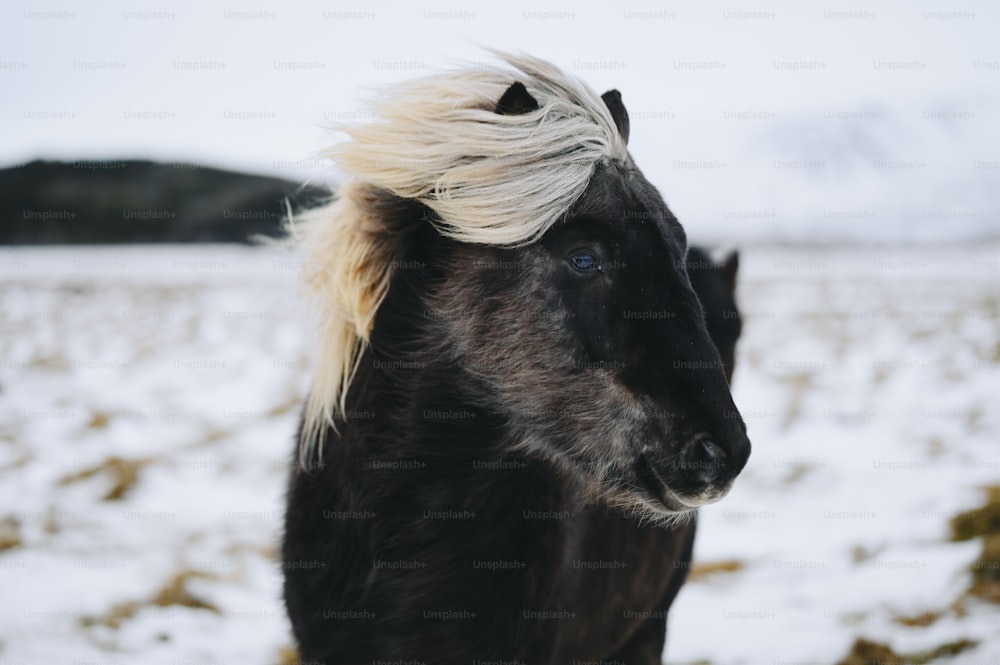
702, 473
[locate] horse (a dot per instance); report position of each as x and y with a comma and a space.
715, 285
517, 407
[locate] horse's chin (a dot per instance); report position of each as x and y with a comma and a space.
653, 511
710, 495
659, 497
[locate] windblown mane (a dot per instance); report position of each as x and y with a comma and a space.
489, 178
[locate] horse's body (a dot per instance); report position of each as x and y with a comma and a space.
521, 440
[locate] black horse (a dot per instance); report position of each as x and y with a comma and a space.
528, 427
715, 286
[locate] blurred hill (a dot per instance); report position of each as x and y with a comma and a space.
125, 201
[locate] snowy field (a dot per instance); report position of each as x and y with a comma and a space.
148, 398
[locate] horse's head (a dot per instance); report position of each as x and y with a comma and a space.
578, 329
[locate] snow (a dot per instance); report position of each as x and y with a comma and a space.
859, 374
867, 378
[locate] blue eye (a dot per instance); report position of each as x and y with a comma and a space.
585, 263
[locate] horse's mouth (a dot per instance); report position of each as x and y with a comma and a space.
654, 486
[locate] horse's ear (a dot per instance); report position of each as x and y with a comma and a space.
729, 269
613, 100
516, 100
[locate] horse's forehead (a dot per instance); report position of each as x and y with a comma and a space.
620, 194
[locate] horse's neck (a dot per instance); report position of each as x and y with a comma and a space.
429, 421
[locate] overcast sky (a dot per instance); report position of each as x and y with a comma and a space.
775, 117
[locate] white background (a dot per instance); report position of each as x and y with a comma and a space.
771, 121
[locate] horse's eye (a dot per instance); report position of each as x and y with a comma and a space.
585, 262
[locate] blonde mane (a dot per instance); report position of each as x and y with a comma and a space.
489, 178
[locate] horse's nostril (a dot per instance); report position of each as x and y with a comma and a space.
711, 450
709, 460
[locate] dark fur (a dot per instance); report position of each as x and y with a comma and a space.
462, 510
715, 285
